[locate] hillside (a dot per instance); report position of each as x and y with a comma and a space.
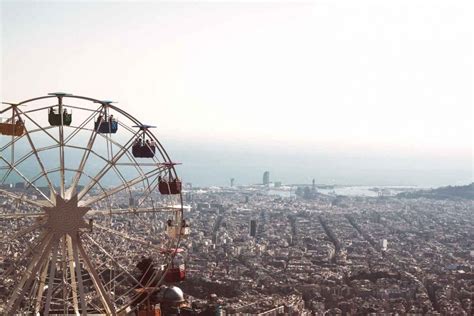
450, 192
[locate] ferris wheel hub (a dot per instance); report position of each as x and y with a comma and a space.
66, 217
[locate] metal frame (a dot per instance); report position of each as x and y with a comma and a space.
59, 263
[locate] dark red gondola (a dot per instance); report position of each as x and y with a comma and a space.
143, 151
144, 148
170, 187
175, 274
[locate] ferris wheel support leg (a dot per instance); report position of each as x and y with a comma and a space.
79, 274
113, 259
72, 273
52, 272
42, 252
42, 282
109, 308
25, 254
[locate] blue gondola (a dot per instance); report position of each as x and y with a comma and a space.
106, 126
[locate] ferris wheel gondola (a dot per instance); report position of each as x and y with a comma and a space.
82, 208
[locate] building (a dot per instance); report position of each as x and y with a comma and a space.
266, 178
383, 244
253, 228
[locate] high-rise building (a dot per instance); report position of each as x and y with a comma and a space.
266, 178
253, 228
20, 185
384, 244
232, 182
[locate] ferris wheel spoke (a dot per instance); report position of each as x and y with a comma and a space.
95, 243
21, 198
104, 297
106, 168
151, 187
137, 166
24, 158
40, 162
134, 163
81, 126
9, 165
12, 142
82, 164
20, 216
40, 254
126, 236
45, 130
121, 187
61, 149
30, 184
124, 211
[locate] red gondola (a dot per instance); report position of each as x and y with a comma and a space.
170, 187
171, 251
12, 129
144, 148
143, 151
175, 274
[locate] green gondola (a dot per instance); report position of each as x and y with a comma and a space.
54, 117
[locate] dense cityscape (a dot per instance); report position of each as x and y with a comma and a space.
331, 255
266, 250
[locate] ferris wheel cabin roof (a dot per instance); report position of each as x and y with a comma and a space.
170, 163
9, 103
60, 94
105, 101
144, 126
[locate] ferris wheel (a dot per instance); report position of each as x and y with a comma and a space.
91, 210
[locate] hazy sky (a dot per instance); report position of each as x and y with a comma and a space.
375, 77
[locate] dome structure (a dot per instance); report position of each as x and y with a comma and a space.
171, 295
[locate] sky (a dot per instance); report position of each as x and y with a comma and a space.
362, 92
